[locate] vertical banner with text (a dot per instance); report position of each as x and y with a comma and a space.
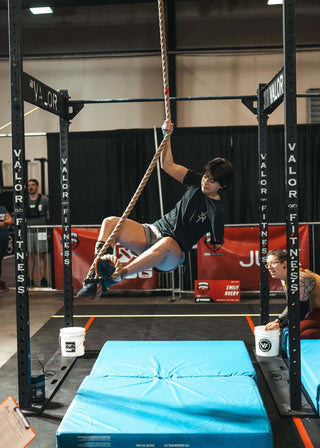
238, 258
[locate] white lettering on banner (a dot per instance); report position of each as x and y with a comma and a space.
218, 290
84, 240
145, 274
126, 256
253, 255
239, 257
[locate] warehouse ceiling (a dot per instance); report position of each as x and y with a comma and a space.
84, 28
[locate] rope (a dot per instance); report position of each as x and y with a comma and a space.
25, 115
113, 235
164, 60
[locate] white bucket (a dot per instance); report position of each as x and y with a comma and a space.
267, 342
72, 341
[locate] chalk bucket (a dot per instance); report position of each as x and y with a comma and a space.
267, 342
72, 341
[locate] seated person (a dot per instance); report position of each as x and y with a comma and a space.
309, 288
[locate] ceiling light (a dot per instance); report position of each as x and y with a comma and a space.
41, 10
275, 2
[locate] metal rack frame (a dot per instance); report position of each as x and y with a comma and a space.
26, 88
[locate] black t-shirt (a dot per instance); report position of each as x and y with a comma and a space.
193, 216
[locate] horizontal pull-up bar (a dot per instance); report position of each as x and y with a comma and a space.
182, 98
145, 100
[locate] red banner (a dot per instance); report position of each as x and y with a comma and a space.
83, 243
238, 258
217, 290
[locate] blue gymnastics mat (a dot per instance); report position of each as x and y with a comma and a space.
165, 412
173, 359
161, 394
310, 366
310, 369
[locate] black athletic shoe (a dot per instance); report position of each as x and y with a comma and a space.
30, 282
106, 269
44, 282
89, 291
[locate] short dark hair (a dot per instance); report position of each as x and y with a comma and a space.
221, 170
33, 180
280, 254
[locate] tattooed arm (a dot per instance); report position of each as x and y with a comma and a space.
306, 284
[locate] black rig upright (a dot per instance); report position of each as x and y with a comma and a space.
27, 88
19, 206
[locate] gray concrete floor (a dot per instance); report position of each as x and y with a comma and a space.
45, 302
42, 305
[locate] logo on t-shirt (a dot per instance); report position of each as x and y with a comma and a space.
202, 217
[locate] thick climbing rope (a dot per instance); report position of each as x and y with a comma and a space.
113, 235
27, 113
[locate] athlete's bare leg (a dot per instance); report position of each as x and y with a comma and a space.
164, 255
131, 234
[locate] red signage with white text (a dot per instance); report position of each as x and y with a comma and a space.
83, 244
217, 291
238, 258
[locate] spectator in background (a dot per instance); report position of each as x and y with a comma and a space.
37, 241
5, 221
309, 290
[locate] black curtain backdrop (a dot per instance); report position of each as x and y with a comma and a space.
107, 166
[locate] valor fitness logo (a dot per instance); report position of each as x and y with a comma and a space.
265, 345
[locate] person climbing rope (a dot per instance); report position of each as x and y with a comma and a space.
163, 244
